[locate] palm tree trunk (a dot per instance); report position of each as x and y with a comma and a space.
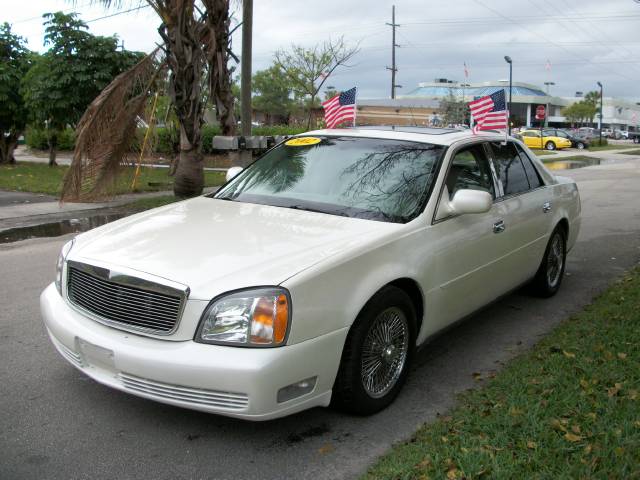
183, 34
218, 59
189, 176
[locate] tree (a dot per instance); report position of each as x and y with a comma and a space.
330, 92
196, 51
580, 112
454, 110
592, 98
309, 68
75, 69
272, 93
15, 61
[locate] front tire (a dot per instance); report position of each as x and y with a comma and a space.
550, 146
580, 146
549, 276
377, 354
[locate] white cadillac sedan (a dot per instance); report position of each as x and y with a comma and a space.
311, 277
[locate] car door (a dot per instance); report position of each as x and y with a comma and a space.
465, 260
533, 139
526, 204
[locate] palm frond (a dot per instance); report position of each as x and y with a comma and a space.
106, 131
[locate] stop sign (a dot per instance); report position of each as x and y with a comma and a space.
540, 112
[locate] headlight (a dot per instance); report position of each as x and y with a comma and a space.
60, 263
253, 318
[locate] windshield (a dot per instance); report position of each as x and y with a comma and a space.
376, 179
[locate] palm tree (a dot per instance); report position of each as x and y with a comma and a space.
196, 44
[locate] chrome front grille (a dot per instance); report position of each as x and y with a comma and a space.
124, 300
196, 396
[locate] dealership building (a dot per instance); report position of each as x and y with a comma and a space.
421, 106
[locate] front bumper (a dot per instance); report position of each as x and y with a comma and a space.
231, 381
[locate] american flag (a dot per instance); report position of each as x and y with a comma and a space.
340, 108
490, 112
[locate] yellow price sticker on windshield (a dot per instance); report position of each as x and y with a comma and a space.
302, 141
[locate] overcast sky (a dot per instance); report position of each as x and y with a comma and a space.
584, 40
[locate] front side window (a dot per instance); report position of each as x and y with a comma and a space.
470, 170
375, 179
509, 168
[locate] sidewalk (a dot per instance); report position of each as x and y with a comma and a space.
28, 209
587, 153
23, 154
35, 209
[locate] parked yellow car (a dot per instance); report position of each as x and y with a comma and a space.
533, 140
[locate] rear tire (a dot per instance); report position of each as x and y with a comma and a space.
549, 276
550, 146
377, 354
580, 146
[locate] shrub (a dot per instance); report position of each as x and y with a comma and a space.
37, 138
208, 132
278, 130
67, 139
595, 142
167, 140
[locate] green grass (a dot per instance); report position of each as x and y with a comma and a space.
574, 158
539, 152
40, 178
632, 152
610, 147
568, 409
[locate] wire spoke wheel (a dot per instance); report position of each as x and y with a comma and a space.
555, 260
384, 352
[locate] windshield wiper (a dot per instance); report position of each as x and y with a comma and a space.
316, 210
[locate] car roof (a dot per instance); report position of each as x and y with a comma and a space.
434, 135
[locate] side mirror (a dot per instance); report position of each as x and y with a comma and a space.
232, 172
471, 201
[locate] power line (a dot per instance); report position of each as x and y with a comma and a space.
75, 9
532, 18
118, 13
551, 42
39, 17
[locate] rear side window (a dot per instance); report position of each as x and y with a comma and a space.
509, 168
532, 174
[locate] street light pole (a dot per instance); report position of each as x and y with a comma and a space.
601, 119
546, 117
507, 59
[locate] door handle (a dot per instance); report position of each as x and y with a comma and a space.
546, 207
499, 226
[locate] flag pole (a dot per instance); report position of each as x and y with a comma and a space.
506, 131
355, 107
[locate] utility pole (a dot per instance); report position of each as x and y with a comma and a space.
393, 67
245, 68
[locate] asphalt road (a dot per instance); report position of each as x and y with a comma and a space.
56, 423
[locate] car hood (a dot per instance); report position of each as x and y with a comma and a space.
213, 246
